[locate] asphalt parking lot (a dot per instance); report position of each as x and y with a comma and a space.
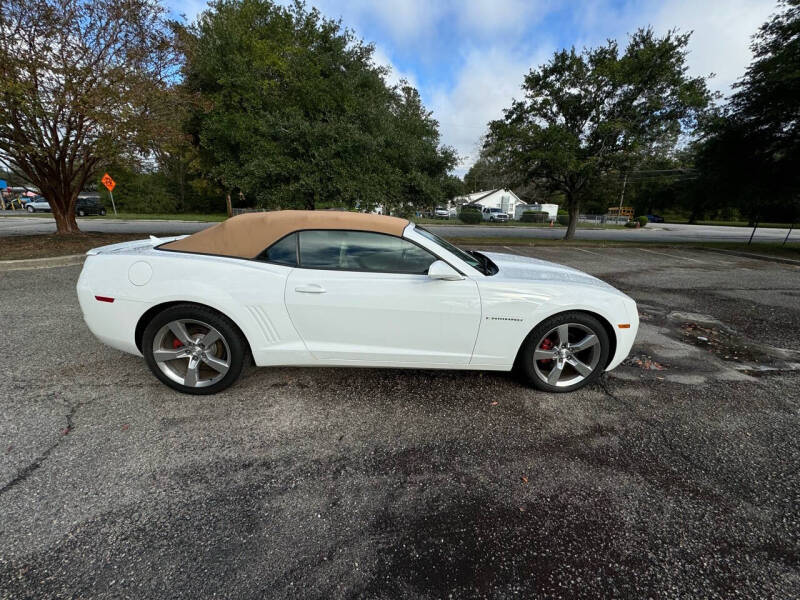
677, 476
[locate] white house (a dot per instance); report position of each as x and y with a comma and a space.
505, 200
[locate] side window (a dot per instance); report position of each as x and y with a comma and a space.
362, 251
283, 252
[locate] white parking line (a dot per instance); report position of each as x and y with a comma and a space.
673, 256
588, 251
615, 253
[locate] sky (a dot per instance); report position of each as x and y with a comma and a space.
467, 58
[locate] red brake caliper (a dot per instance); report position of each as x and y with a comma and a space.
546, 345
176, 343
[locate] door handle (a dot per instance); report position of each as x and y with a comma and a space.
312, 288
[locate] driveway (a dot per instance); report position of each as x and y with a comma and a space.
676, 476
655, 232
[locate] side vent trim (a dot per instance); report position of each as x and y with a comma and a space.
265, 324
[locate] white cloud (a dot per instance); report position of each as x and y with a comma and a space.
484, 18
722, 29
485, 85
404, 21
720, 41
395, 75
411, 22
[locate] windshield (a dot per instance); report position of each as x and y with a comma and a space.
472, 261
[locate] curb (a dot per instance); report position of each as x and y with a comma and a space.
42, 263
777, 259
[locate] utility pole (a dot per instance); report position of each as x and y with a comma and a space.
622, 195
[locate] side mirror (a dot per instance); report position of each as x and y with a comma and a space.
441, 270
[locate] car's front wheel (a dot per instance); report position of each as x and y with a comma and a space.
565, 352
194, 349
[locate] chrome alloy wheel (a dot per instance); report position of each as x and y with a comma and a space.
191, 353
566, 355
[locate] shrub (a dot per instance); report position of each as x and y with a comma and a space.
642, 220
534, 216
563, 219
631, 223
470, 216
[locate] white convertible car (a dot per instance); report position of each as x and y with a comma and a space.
347, 289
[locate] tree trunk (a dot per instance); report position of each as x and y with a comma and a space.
228, 205
64, 214
573, 207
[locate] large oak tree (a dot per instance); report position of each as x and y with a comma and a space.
293, 112
82, 82
586, 113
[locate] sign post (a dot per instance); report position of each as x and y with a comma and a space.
110, 184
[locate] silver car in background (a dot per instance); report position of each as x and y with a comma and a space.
38, 204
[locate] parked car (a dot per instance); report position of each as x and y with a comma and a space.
441, 212
655, 219
37, 204
495, 214
332, 288
89, 206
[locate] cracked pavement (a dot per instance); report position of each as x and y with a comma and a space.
375, 483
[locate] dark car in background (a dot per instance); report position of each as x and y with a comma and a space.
655, 218
89, 206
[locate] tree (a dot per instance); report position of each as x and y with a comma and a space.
750, 152
587, 113
82, 82
292, 112
485, 174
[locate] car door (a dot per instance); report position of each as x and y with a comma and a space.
364, 298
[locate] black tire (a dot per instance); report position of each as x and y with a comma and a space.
81, 213
580, 324
31, 209
102, 212
239, 350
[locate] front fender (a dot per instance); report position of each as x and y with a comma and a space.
510, 311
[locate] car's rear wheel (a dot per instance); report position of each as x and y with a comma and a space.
81, 213
31, 209
565, 352
194, 349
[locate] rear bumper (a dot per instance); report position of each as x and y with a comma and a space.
113, 323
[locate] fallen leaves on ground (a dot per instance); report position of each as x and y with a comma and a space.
645, 362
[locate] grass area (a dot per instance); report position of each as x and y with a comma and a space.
733, 224
790, 250
205, 218
526, 241
17, 247
457, 223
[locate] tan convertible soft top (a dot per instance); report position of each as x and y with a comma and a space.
245, 236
